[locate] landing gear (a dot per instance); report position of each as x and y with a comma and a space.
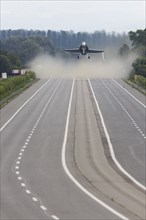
78, 57
88, 57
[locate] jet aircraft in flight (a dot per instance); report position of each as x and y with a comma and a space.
83, 50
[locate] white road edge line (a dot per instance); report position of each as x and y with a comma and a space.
111, 147
55, 217
108, 88
13, 116
35, 199
71, 176
129, 93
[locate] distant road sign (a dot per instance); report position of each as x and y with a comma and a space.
4, 75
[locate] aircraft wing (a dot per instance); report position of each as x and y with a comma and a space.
72, 50
95, 51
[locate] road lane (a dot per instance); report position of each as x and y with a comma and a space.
12, 138
47, 179
88, 156
9, 110
33, 182
127, 132
130, 90
135, 108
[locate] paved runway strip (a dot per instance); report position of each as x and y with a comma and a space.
31, 147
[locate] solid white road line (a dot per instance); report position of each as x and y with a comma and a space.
111, 147
24, 185
128, 93
71, 176
13, 116
122, 106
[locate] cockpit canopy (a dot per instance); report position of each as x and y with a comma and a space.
83, 43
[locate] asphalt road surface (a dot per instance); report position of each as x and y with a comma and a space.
55, 158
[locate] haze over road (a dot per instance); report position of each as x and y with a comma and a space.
55, 160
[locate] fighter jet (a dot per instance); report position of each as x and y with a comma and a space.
83, 50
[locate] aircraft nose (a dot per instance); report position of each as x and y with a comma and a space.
83, 43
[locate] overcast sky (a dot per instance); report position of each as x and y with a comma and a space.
124, 15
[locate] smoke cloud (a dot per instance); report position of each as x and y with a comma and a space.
46, 66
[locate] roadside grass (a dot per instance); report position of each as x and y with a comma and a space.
13, 86
138, 82
136, 86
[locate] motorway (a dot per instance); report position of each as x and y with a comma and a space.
56, 152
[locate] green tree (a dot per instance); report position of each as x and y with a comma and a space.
5, 64
28, 50
11, 45
140, 66
44, 43
124, 50
15, 61
138, 39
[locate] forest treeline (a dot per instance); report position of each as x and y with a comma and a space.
18, 47
138, 40
68, 39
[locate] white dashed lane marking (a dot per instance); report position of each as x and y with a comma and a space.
23, 182
43, 207
27, 191
111, 147
55, 217
129, 93
130, 117
19, 178
34, 199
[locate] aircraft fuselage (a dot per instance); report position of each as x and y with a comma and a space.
83, 50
